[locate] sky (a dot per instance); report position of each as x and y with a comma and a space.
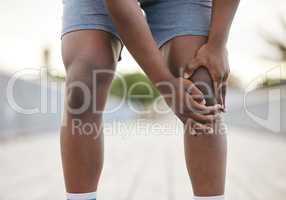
31, 25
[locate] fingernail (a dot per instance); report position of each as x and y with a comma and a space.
204, 102
219, 107
186, 75
210, 130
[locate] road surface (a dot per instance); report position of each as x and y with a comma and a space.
143, 162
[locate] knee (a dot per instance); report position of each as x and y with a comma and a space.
202, 79
78, 92
83, 79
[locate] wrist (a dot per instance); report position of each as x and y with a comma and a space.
216, 47
166, 85
160, 77
162, 81
217, 41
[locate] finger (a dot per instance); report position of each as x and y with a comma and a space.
196, 93
190, 69
202, 128
188, 72
203, 118
213, 109
200, 101
194, 106
224, 90
216, 87
220, 90
195, 128
216, 91
203, 102
206, 110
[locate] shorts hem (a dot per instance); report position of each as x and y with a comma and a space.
93, 27
161, 43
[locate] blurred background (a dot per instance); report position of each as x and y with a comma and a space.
31, 67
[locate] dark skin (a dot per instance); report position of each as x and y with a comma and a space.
201, 151
213, 54
81, 56
129, 13
82, 155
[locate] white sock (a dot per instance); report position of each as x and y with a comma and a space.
220, 197
81, 196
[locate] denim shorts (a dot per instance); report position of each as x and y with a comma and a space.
166, 18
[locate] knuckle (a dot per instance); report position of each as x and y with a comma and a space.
200, 118
222, 74
227, 72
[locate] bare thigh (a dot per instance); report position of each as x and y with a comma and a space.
179, 51
84, 53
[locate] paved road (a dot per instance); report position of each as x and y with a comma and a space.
148, 166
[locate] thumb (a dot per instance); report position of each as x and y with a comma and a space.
191, 67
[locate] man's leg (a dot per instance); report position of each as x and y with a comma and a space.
90, 57
205, 154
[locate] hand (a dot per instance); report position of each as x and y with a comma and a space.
187, 101
215, 59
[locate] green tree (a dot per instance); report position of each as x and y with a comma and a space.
280, 45
135, 87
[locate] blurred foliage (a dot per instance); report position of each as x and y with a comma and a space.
46, 60
140, 89
135, 87
56, 76
271, 82
279, 44
234, 81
